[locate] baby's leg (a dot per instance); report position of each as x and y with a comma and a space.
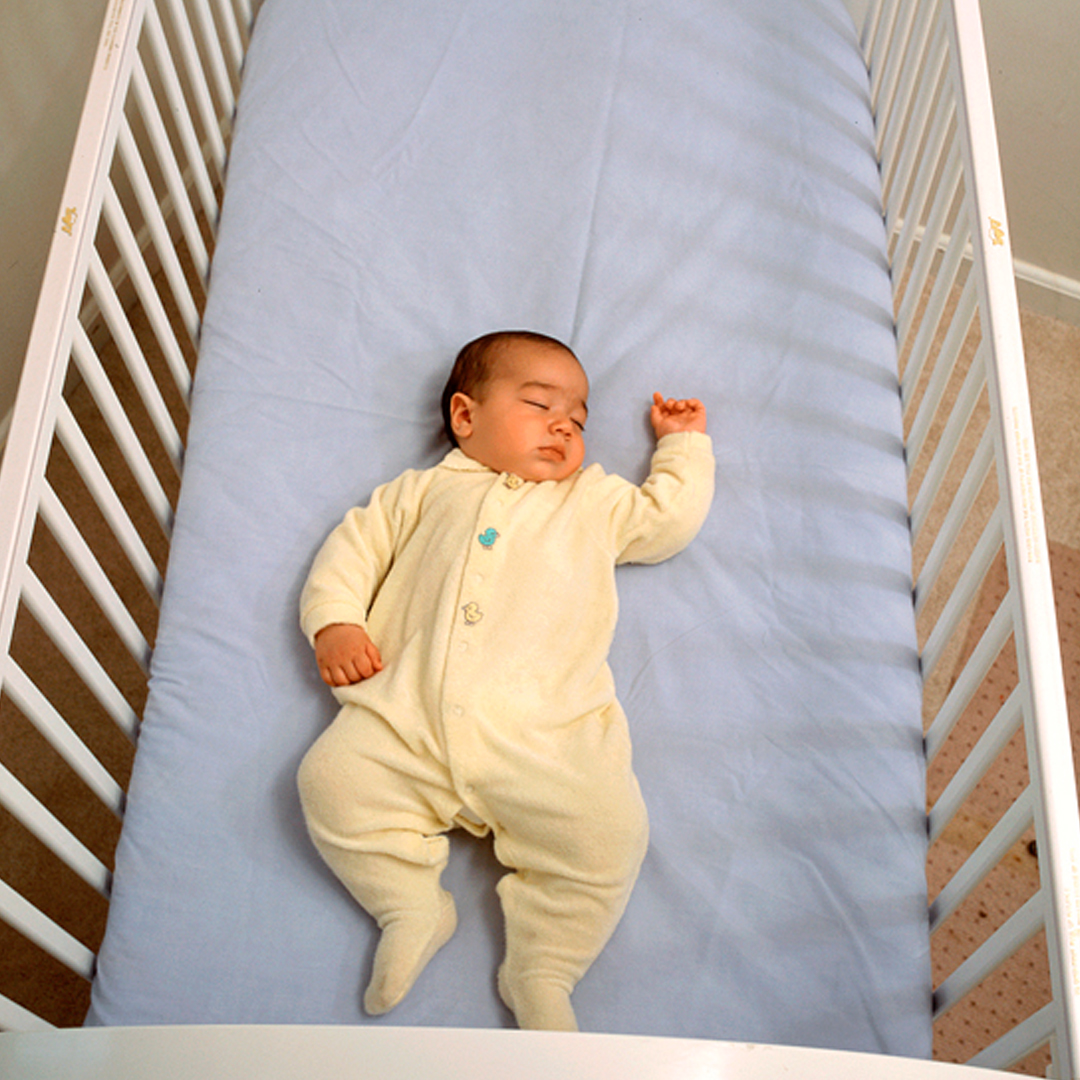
576, 839
374, 812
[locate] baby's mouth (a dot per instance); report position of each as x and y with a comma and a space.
553, 453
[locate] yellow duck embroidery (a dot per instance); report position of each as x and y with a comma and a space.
473, 614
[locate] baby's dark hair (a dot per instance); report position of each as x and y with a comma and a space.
476, 362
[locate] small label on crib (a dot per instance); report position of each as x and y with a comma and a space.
1028, 508
67, 222
997, 233
109, 43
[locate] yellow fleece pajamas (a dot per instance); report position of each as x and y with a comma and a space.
492, 600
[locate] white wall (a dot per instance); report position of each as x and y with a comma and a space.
46, 51
46, 48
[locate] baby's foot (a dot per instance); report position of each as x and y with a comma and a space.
538, 1005
408, 942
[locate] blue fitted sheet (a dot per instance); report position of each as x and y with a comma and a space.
686, 192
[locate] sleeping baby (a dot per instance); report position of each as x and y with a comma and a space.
463, 618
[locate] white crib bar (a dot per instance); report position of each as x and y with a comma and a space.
1020, 928
26, 808
978, 471
959, 417
990, 645
135, 361
158, 229
1010, 827
82, 558
930, 158
999, 731
108, 502
979, 232
943, 369
193, 151
197, 77
897, 168
105, 397
137, 269
170, 168
971, 577
939, 294
40, 712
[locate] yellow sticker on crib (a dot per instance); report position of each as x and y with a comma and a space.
67, 222
997, 232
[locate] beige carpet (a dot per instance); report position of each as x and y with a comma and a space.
33, 979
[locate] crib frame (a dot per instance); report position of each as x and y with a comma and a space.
134, 233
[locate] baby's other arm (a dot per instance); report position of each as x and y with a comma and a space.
671, 416
346, 655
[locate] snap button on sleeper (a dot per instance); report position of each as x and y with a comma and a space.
513, 482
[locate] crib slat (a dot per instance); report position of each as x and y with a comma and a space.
944, 280
963, 593
196, 79
135, 360
27, 809
13, 1017
959, 326
1009, 829
233, 35
983, 655
56, 625
898, 50
174, 94
105, 397
914, 93
1020, 928
215, 57
896, 175
992, 741
96, 480
1017, 1044
929, 159
159, 231
148, 294
43, 932
975, 477
959, 416
882, 30
96, 580
170, 168
39, 711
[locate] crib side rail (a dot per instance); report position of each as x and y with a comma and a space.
90, 473
975, 495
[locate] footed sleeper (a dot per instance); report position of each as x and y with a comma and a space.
492, 600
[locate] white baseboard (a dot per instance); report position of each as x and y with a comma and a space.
1047, 293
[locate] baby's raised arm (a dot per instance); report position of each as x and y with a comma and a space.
346, 655
671, 416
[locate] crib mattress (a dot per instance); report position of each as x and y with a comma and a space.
686, 193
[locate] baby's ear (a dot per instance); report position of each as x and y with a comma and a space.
461, 421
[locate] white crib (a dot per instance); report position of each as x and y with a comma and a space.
150, 162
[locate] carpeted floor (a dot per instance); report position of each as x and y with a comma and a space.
30, 977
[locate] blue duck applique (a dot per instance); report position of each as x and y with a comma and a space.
488, 538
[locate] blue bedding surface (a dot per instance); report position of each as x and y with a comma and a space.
686, 193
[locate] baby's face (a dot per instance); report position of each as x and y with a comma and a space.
530, 419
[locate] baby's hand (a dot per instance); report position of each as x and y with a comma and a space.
671, 416
346, 655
